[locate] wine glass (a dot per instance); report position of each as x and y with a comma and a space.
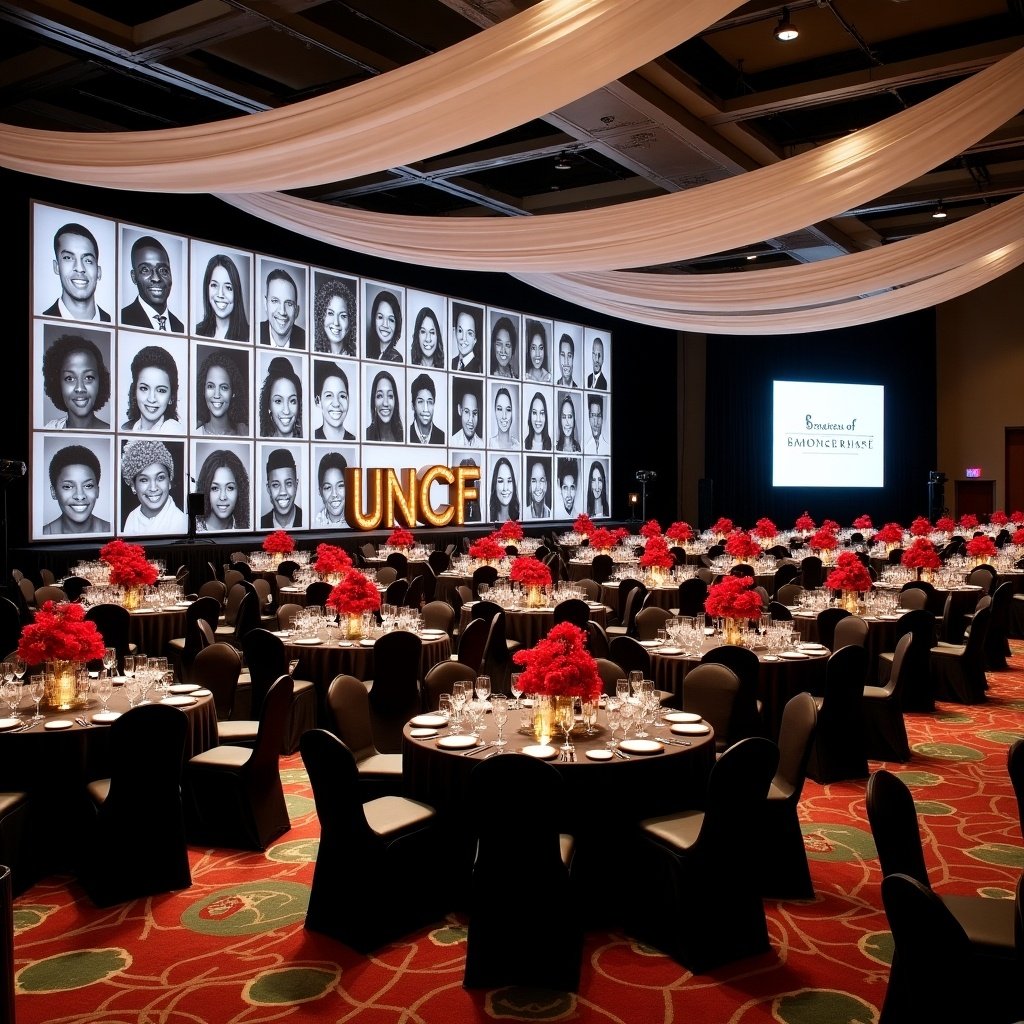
103, 687
565, 719
483, 687
129, 667
613, 713
36, 691
627, 713
622, 689
515, 685
109, 658
444, 706
588, 709
636, 677
12, 693
499, 711
18, 666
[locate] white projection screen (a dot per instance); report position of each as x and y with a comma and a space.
828, 435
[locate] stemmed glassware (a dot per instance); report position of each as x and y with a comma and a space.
499, 711
18, 666
483, 687
103, 687
516, 688
109, 659
588, 709
628, 713
459, 698
444, 706
129, 667
636, 678
36, 690
613, 712
565, 711
11, 690
622, 689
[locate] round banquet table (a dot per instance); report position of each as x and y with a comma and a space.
964, 599
777, 681
666, 597
151, 630
881, 634
448, 584
54, 765
529, 625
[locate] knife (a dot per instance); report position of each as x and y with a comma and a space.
476, 750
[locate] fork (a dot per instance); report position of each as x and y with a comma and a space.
84, 723
622, 754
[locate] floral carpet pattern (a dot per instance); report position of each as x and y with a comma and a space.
233, 947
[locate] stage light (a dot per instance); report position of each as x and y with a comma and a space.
786, 31
939, 213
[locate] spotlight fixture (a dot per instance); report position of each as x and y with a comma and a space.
563, 163
939, 213
786, 31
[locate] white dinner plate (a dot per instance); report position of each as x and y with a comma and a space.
888, 618
459, 742
682, 716
641, 746
422, 734
599, 755
179, 701
106, 716
794, 655
691, 728
366, 642
651, 643
202, 693
58, 723
541, 751
9, 723
771, 657
344, 643
283, 633
812, 647
433, 632
429, 721
671, 650
182, 604
183, 688
308, 641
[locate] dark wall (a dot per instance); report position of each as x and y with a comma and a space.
898, 354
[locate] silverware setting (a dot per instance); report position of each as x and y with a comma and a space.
678, 743
84, 723
622, 754
493, 753
476, 750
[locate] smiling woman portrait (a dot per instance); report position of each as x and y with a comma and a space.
153, 393
222, 395
77, 382
223, 307
148, 471
281, 400
224, 484
385, 417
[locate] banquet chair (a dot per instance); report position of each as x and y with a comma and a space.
933, 599
7, 983
779, 612
703, 864
386, 575
49, 592
286, 615
785, 874
235, 792
610, 672
73, 587
742, 569
918, 687
46, 576
851, 629
601, 566
812, 573
498, 651
377, 862
572, 610
711, 690
241, 566
747, 711
885, 732
439, 679
267, 661
368, 550
838, 750
630, 654
231, 577
473, 643
590, 587
317, 593
789, 594
27, 589
913, 598
504, 946
997, 645
214, 589
396, 591
248, 617
229, 615
649, 620
14, 818
706, 574
1015, 769
465, 594
634, 602
597, 639
439, 561
438, 615
983, 576
394, 690
218, 667
413, 593
692, 595
135, 845
826, 621
182, 650
785, 573
429, 578
348, 708
626, 587
958, 670
399, 562
265, 595
287, 567
486, 610
989, 924
114, 624
483, 574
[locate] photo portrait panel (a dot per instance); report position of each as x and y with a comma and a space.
282, 484
152, 390
505, 349
538, 485
327, 484
74, 379
335, 316
466, 336
336, 390
222, 396
537, 364
281, 303
223, 472
473, 507
568, 495
221, 280
597, 349
568, 421
152, 487
503, 406
538, 420
504, 498
597, 427
73, 485
427, 329
568, 349
152, 280
468, 413
280, 402
598, 487
69, 253
427, 414
384, 401
383, 322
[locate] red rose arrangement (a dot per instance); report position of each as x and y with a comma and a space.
765, 528
560, 665
968, 521
945, 524
863, 523
804, 523
823, 540
1018, 537
487, 549
354, 595
510, 531
129, 566
733, 598
891, 533
657, 555
401, 538
583, 525
831, 525
921, 555
849, 574
331, 559
530, 572
602, 539
999, 518
680, 532
652, 528
1017, 517
278, 543
723, 526
921, 526
60, 632
981, 547
742, 545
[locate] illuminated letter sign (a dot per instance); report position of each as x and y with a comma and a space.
397, 497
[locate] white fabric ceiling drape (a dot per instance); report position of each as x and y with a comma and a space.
522, 68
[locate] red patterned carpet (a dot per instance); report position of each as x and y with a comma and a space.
232, 948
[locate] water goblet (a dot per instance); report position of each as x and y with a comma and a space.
483, 687
588, 709
12, 694
18, 666
36, 690
103, 688
628, 714
475, 712
622, 689
459, 695
613, 714
565, 719
636, 677
129, 666
516, 687
499, 711
109, 658
444, 706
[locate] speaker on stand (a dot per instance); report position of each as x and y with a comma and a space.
196, 507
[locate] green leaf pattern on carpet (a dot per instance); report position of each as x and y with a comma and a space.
290, 986
816, 1005
68, 971
248, 908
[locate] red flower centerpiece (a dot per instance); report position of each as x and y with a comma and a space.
332, 562
510, 531
922, 556
999, 518
1018, 537
63, 638
583, 525
742, 547
1017, 516
863, 523
921, 527
945, 524
401, 538
733, 600
487, 549
805, 524
968, 521
278, 543
722, 526
129, 568
890, 535
652, 528
823, 540
765, 528
657, 559
851, 577
680, 532
533, 575
981, 549
603, 540
355, 594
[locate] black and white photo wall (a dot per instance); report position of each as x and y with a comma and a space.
164, 365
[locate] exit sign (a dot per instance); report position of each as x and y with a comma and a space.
973, 472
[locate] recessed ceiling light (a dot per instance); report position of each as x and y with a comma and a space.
939, 213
